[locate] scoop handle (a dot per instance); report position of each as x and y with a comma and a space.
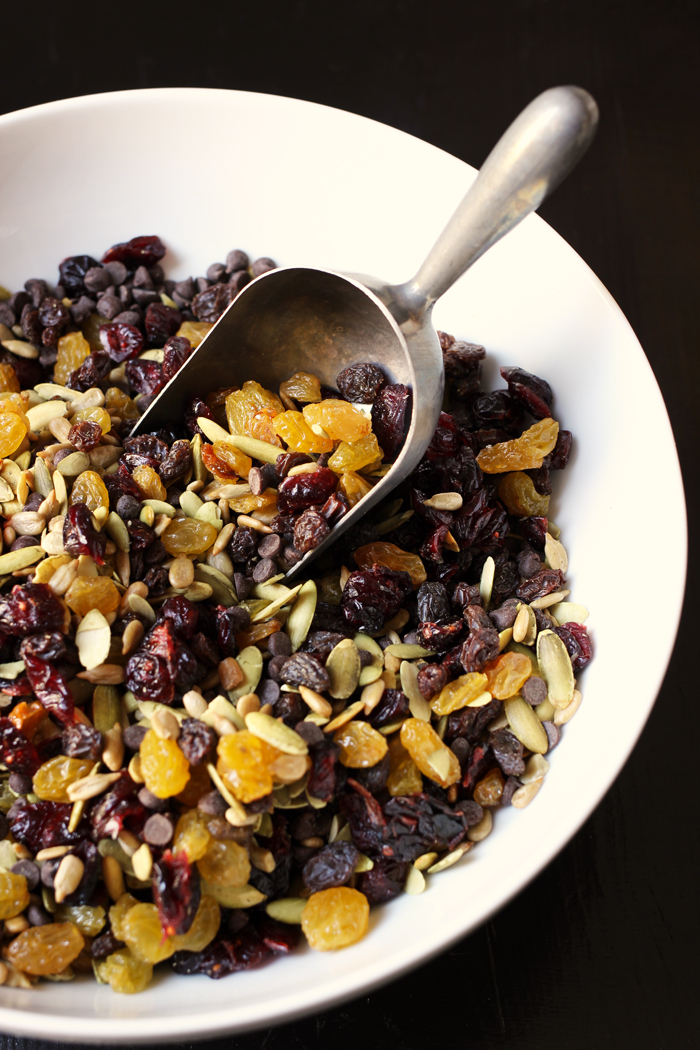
537, 151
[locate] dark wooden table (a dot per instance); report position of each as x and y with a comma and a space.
600, 952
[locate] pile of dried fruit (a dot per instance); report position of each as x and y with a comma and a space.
200, 762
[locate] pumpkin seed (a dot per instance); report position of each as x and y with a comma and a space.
449, 859
555, 554
190, 503
344, 717
21, 348
315, 803
369, 674
525, 725
363, 641
389, 524
210, 513
233, 896
555, 668
536, 768
481, 700
106, 707
286, 909
93, 639
408, 652
272, 590
546, 711
142, 608
74, 464
415, 881
250, 662
549, 599
524, 795
525, 626
222, 588
159, 506
553, 530
276, 733
198, 592
42, 479
486, 582
343, 666
569, 612
50, 390
371, 695
274, 607
419, 706
504, 637
221, 706
299, 621
565, 715
60, 490
479, 831
425, 861
118, 531
41, 415
21, 559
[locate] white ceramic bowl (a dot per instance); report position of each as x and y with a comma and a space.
212, 170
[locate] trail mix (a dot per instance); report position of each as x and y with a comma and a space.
200, 763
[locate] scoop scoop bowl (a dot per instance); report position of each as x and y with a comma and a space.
301, 319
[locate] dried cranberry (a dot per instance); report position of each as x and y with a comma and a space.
72, 274
91, 372
81, 741
303, 490
529, 390
80, 537
222, 957
49, 645
373, 596
322, 778
161, 322
176, 892
121, 341
141, 535
51, 689
278, 936
498, 409
139, 251
85, 435
193, 408
175, 353
112, 809
39, 825
196, 740
310, 529
16, 752
418, 823
31, 608
286, 460
364, 815
183, 615
229, 622
360, 383
479, 648
480, 524
559, 456
146, 377
390, 416
336, 507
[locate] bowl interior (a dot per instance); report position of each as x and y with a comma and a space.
311, 186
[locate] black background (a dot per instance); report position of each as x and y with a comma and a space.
600, 951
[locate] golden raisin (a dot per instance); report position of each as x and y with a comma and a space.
405, 779
12, 433
249, 503
89, 919
94, 415
250, 412
52, 779
243, 765
297, 434
198, 784
507, 675
434, 759
340, 420
124, 972
354, 455
360, 745
72, 351
118, 912
14, 894
354, 486
47, 949
93, 592
225, 863
204, 928
226, 462
192, 835
489, 790
523, 453
90, 489
118, 403
335, 918
195, 331
8, 379
257, 632
148, 480
521, 497
391, 557
459, 693
302, 387
143, 934
188, 536
164, 768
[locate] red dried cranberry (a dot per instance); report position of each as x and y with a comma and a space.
286, 460
364, 815
121, 341
303, 490
119, 803
146, 377
39, 825
177, 464
80, 537
440, 636
72, 272
176, 892
578, 644
175, 353
16, 752
139, 251
223, 957
31, 608
336, 507
51, 689
161, 322
183, 615
559, 456
390, 416
140, 534
49, 645
81, 741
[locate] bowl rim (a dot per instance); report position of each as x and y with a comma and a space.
283, 1009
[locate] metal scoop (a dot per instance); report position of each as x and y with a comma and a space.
299, 319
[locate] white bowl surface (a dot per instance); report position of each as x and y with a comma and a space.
212, 170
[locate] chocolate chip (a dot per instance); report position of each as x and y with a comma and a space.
236, 260
151, 801
158, 830
97, 279
215, 272
37, 916
212, 804
268, 692
117, 271
30, 871
553, 733
534, 691
264, 570
262, 265
133, 735
279, 644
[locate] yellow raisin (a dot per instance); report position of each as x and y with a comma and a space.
458, 693
335, 918
257, 632
148, 480
195, 331
188, 536
52, 779
14, 894
405, 779
192, 835
8, 379
226, 462
250, 412
249, 503
118, 912
244, 762
507, 675
434, 759
353, 486
489, 790
523, 453
90, 489
94, 415
391, 557
89, 919
204, 928
144, 935
340, 420
297, 434
302, 387
93, 592
354, 455
360, 745
91, 330
225, 864
521, 497
72, 351
12, 433
47, 949
164, 768
118, 403
124, 972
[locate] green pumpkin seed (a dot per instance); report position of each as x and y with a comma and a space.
275, 733
299, 621
369, 674
250, 662
285, 909
449, 859
42, 479
274, 607
198, 469
525, 725
568, 612
344, 667
222, 589
233, 896
419, 706
408, 652
21, 559
159, 506
190, 503
415, 881
118, 531
555, 668
106, 707
555, 554
363, 641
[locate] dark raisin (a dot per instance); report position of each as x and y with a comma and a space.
480, 647
373, 596
195, 407
392, 707
545, 581
331, 866
177, 463
79, 535
286, 460
305, 669
196, 741
16, 752
529, 390
243, 545
508, 752
360, 383
433, 603
384, 881
209, 304
390, 417
175, 352
85, 435
288, 706
310, 529
81, 741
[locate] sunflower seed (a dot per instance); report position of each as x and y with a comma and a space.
142, 862
536, 768
569, 612
276, 733
371, 695
479, 831
524, 795
566, 714
546, 711
444, 501
555, 668
41, 415
12, 670
425, 861
91, 786
504, 637
344, 717
21, 559
525, 626
450, 858
21, 348
525, 725
344, 667
303, 610
486, 581
51, 390
68, 876
316, 702
415, 881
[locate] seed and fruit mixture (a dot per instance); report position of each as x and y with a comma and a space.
200, 764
